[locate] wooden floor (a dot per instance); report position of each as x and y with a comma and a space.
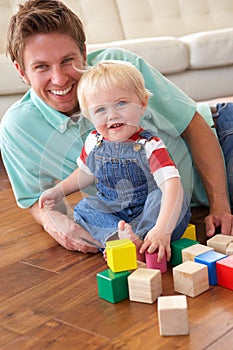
48, 298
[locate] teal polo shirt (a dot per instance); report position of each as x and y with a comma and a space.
40, 145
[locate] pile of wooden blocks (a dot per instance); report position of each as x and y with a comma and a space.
194, 267
127, 277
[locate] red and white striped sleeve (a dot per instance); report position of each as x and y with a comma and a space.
87, 148
161, 165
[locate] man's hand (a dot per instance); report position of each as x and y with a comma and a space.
205, 147
64, 230
224, 222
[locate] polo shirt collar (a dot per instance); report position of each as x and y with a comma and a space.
57, 120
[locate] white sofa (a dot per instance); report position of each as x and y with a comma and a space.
189, 41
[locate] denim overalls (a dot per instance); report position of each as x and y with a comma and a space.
126, 190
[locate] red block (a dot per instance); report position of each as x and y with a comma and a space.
224, 269
152, 263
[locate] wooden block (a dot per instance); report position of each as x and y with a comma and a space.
121, 255
141, 265
219, 243
177, 247
173, 315
190, 232
224, 269
145, 285
190, 278
152, 263
209, 259
229, 250
194, 250
112, 286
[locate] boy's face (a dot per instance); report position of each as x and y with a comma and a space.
48, 61
115, 112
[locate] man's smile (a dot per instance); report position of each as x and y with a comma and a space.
61, 92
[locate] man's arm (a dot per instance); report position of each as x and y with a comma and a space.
209, 162
64, 230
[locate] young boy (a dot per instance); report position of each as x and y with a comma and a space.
139, 193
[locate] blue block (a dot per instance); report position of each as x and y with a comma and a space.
210, 258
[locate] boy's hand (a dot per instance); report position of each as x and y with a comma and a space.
155, 241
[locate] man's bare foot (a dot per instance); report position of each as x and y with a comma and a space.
125, 231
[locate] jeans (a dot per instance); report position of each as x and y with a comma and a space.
224, 128
99, 219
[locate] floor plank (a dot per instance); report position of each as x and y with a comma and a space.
54, 335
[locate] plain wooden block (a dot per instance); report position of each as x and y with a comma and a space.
152, 261
190, 278
194, 250
141, 264
224, 270
209, 259
229, 250
177, 247
121, 255
145, 285
190, 232
219, 243
173, 315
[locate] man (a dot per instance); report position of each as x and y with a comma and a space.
41, 136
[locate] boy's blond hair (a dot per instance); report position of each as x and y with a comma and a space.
108, 74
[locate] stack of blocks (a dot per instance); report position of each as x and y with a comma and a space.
202, 265
117, 283
224, 266
121, 258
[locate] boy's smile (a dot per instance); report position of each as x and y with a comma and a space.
116, 112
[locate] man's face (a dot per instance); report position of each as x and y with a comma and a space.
49, 61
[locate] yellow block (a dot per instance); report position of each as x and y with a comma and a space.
121, 255
190, 232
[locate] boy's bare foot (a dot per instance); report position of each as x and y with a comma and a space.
125, 231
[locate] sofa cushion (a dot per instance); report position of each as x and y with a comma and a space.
210, 49
167, 54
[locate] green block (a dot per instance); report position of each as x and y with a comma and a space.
176, 249
113, 286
